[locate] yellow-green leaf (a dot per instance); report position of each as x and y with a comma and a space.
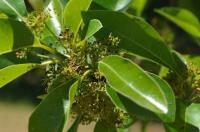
14, 35
10, 73
72, 13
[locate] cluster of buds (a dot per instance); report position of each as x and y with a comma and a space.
93, 104
187, 88
91, 101
22, 54
36, 21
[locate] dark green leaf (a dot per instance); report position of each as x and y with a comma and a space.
50, 115
74, 126
131, 81
192, 5
10, 73
113, 4
136, 36
11, 59
180, 61
192, 115
183, 18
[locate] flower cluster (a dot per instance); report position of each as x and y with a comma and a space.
91, 101
187, 88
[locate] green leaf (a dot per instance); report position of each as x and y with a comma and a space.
183, 18
180, 60
55, 22
72, 13
131, 81
194, 59
114, 5
192, 115
13, 8
93, 27
14, 35
10, 73
126, 105
136, 36
72, 93
169, 94
50, 115
192, 5
75, 125
115, 98
138, 6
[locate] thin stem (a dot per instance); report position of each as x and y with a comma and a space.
144, 126
85, 74
47, 48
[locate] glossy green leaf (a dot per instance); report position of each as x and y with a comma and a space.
180, 60
114, 5
72, 13
13, 8
136, 36
93, 27
55, 22
131, 81
126, 105
72, 93
169, 94
50, 114
14, 35
192, 115
183, 18
10, 73
137, 111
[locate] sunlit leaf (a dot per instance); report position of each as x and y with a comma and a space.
113, 4
10, 73
14, 35
131, 81
72, 13
14, 8
93, 27
192, 115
